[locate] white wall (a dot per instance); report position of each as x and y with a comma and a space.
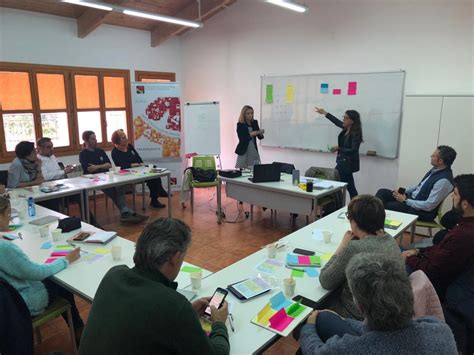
431, 40
30, 37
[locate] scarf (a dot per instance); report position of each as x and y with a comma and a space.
30, 168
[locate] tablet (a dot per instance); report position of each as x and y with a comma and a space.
249, 288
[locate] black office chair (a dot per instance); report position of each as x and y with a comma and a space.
16, 328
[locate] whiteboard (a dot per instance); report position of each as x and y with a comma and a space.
202, 128
289, 120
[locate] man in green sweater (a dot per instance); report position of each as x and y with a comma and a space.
138, 310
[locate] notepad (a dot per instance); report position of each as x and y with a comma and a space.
281, 315
102, 237
392, 224
293, 260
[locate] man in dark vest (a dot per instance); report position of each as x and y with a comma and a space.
425, 198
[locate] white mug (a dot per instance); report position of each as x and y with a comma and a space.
56, 234
44, 231
196, 278
116, 252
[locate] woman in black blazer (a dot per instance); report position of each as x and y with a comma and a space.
248, 132
348, 143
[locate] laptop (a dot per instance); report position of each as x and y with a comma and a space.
266, 173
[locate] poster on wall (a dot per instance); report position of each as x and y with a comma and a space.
157, 125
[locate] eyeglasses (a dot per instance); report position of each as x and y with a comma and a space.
348, 216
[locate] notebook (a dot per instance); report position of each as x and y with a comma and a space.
101, 237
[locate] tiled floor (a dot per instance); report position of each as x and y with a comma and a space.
213, 247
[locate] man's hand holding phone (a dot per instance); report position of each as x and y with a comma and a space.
220, 315
217, 309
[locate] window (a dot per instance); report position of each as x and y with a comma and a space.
60, 103
155, 77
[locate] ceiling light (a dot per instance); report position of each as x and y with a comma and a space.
89, 4
163, 18
289, 5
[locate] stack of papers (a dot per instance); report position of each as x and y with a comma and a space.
303, 261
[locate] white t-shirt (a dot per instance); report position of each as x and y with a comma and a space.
50, 168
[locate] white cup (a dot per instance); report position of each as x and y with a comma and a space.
116, 252
271, 250
44, 231
22, 213
327, 237
151, 166
110, 173
56, 234
118, 168
196, 278
289, 286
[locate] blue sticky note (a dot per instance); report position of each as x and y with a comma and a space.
324, 88
279, 301
47, 245
292, 259
312, 272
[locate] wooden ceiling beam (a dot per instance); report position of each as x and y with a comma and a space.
209, 8
91, 19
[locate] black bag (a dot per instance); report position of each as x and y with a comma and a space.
69, 224
202, 175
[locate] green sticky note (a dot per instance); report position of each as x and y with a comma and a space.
297, 273
314, 259
191, 269
295, 309
269, 94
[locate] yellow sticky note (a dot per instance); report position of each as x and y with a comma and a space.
290, 94
326, 257
102, 251
265, 314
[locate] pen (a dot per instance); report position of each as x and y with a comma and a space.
230, 322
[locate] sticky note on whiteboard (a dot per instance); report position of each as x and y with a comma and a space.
290, 94
336, 91
352, 88
324, 88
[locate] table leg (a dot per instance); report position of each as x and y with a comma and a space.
344, 189
86, 205
143, 195
412, 232
83, 215
251, 212
219, 205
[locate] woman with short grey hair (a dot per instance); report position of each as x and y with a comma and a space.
383, 294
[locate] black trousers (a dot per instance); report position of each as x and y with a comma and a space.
156, 188
55, 290
349, 178
391, 204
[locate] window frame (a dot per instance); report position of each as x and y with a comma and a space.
74, 141
140, 74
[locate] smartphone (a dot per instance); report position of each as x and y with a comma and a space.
217, 300
401, 190
303, 252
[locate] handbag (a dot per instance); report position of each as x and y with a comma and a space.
202, 175
69, 224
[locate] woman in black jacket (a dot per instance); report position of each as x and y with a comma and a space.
248, 132
348, 143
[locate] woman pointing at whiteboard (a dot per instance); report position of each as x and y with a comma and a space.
248, 132
348, 143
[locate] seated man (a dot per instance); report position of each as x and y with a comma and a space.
447, 260
383, 293
424, 198
94, 160
138, 310
50, 165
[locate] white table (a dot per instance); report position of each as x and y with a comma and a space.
81, 277
280, 196
249, 338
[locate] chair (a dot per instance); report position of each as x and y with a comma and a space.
428, 224
4, 177
205, 162
16, 331
285, 168
57, 307
327, 174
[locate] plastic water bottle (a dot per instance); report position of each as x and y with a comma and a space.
31, 207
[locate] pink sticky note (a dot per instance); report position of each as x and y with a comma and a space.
352, 88
50, 260
59, 253
304, 260
280, 320
336, 91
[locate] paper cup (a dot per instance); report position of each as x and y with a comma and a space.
44, 231
327, 237
118, 168
110, 173
196, 278
116, 252
151, 166
271, 250
56, 234
289, 286
22, 214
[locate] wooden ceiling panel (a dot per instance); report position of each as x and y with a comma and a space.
89, 19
